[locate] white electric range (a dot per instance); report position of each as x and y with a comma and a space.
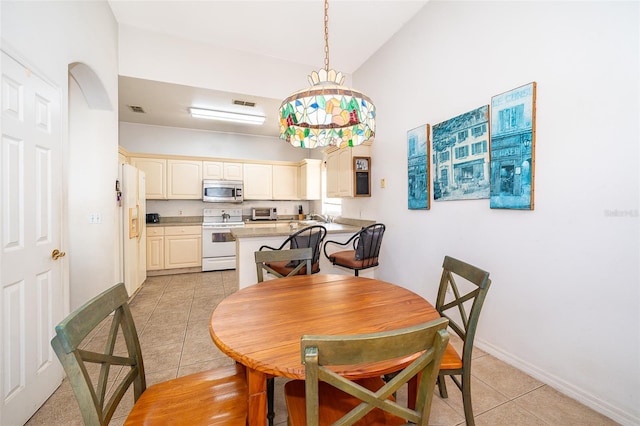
218, 245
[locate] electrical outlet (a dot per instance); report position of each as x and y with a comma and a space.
180, 212
383, 183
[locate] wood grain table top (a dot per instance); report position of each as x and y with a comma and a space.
260, 326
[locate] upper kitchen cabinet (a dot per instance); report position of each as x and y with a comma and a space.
184, 180
309, 180
284, 182
257, 181
222, 170
340, 173
170, 179
155, 170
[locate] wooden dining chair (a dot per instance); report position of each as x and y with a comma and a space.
461, 285
327, 398
311, 236
99, 349
365, 249
265, 261
300, 258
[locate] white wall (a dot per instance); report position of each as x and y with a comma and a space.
153, 56
51, 36
142, 138
564, 303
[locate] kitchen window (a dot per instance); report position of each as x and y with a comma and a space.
330, 206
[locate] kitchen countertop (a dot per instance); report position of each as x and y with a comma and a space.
285, 229
177, 221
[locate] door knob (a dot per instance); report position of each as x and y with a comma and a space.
56, 254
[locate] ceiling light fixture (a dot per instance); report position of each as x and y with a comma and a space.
236, 117
327, 113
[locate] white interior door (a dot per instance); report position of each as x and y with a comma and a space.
31, 287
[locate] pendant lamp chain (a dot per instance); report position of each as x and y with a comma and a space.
326, 35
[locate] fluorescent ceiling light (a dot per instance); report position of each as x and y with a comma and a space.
236, 117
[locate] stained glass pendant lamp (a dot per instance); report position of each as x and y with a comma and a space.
327, 113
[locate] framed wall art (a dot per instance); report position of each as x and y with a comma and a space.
513, 130
461, 156
418, 167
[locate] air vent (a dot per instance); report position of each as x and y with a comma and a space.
244, 103
136, 108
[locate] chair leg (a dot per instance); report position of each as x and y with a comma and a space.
442, 386
270, 391
466, 399
356, 272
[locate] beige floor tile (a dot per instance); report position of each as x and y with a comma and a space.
159, 336
196, 351
502, 377
162, 357
443, 415
198, 330
557, 409
212, 364
483, 397
507, 415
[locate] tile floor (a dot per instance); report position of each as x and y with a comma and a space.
172, 317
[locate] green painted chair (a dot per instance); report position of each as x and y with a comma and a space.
99, 349
461, 285
300, 260
325, 397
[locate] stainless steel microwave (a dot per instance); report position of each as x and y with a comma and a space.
222, 191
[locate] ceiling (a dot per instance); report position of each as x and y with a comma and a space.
241, 25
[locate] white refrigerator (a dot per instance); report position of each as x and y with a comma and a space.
134, 230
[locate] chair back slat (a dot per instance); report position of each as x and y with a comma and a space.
302, 255
429, 340
463, 323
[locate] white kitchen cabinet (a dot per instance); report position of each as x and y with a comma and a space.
284, 182
340, 173
222, 170
310, 180
155, 248
155, 170
257, 181
182, 246
184, 180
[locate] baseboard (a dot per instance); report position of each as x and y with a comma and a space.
159, 272
562, 386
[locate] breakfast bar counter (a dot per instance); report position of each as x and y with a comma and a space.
254, 235
284, 229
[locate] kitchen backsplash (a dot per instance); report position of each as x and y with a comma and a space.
172, 208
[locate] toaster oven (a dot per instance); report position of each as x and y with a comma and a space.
264, 213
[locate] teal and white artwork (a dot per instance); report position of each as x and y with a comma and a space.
461, 156
513, 120
417, 155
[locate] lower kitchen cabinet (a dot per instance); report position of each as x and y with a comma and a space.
172, 247
155, 248
182, 246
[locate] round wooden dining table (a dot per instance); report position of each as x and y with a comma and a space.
260, 326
